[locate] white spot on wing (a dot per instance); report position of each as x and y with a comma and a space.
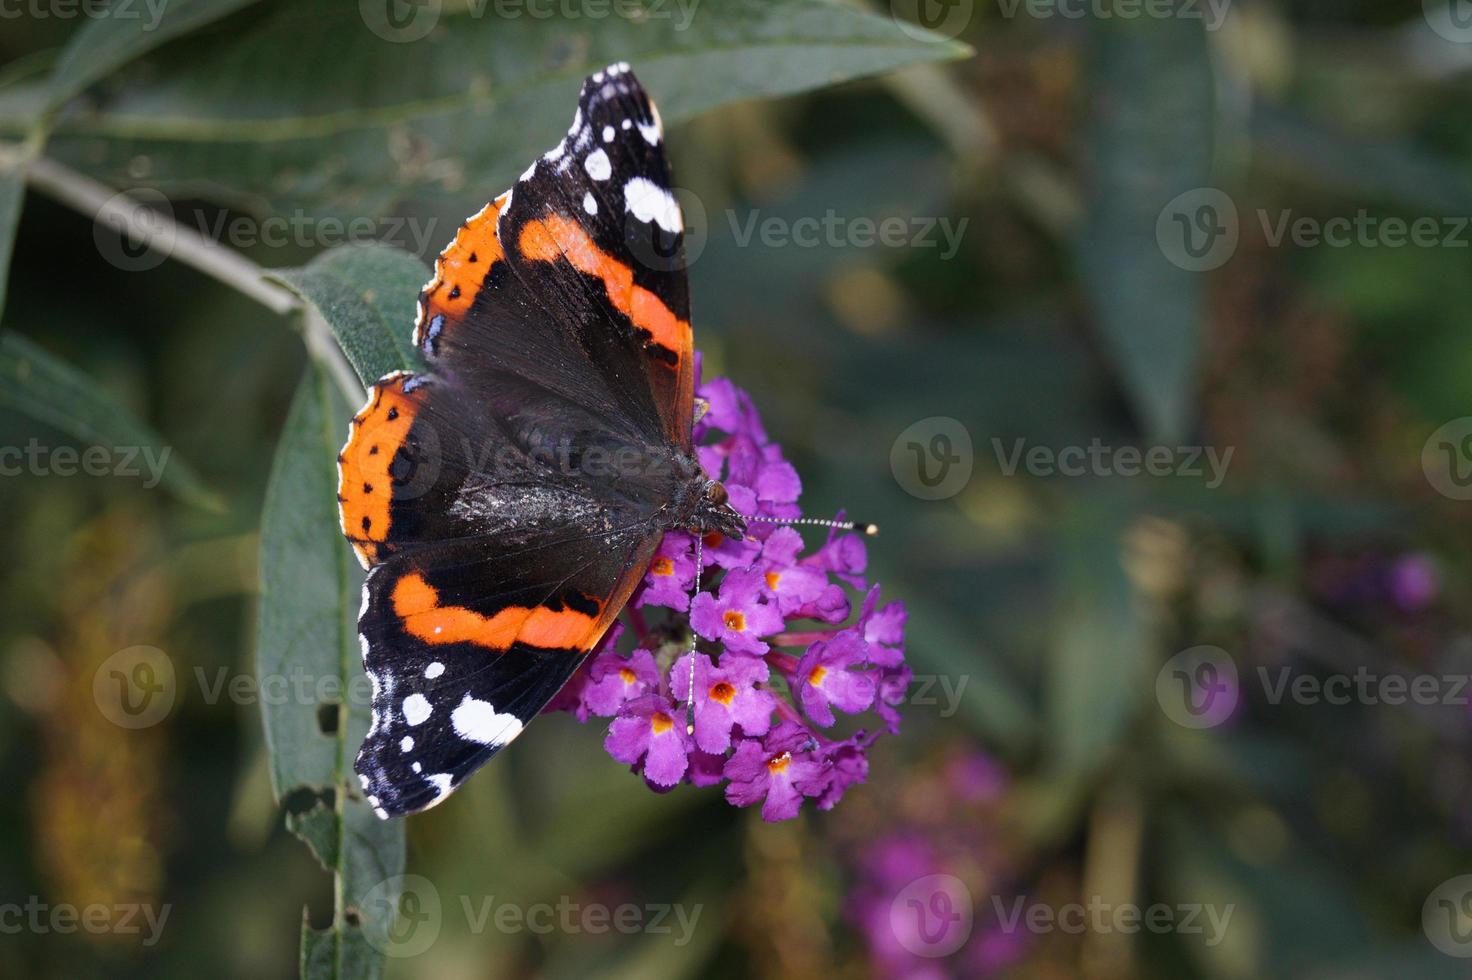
590, 205
608, 134
434, 670
598, 166
416, 709
406, 743
556, 151
479, 722
441, 783
650, 132
647, 201
417, 767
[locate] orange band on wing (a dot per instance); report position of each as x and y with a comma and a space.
462, 266
417, 605
364, 478
555, 237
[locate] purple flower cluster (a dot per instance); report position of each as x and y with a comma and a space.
782, 654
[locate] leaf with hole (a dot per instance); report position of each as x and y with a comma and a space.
307, 652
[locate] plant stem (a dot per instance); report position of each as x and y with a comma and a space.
163, 233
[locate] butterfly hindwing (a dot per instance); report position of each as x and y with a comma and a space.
463, 652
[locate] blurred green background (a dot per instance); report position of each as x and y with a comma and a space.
1186, 226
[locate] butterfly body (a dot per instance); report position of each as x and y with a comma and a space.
507, 501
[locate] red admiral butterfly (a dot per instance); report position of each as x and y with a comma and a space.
507, 502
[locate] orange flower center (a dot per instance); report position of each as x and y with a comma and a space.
662, 566
772, 579
627, 675
660, 722
723, 693
735, 619
779, 763
816, 677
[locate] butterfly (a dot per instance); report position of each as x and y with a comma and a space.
507, 501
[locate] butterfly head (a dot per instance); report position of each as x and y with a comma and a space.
715, 514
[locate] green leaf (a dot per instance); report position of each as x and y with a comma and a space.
1150, 141
38, 385
261, 118
125, 32
1097, 677
13, 161
308, 648
367, 295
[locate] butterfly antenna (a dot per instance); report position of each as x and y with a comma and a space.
690, 689
863, 527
